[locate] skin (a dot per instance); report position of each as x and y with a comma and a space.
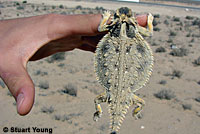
33, 38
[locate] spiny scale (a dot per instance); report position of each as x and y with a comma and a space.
123, 64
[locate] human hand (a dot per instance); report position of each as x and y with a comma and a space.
37, 37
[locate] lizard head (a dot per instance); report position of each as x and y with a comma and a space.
123, 13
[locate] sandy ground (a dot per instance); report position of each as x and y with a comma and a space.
68, 114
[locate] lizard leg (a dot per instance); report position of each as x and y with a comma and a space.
99, 99
103, 26
139, 106
150, 23
148, 31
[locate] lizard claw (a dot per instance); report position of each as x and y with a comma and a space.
137, 112
150, 18
97, 115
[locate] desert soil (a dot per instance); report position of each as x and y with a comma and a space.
66, 86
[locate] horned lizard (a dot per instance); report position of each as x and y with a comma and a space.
123, 64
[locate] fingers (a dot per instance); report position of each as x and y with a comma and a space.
142, 20
73, 25
63, 26
88, 24
20, 85
87, 47
92, 41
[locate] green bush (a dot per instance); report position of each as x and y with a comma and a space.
176, 19
187, 106
189, 17
43, 85
70, 89
179, 52
197, 61
56, 57
160, 50
165, 94
61, 6
172, 33
47, 110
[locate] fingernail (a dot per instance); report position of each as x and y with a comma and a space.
20, 99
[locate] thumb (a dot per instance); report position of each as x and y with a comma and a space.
20, 85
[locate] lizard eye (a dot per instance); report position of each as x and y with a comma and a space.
116, 16
129, 13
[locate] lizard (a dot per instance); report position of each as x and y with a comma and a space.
123, 64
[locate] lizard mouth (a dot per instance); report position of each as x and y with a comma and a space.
122, 17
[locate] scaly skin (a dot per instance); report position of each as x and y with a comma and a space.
123, 64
